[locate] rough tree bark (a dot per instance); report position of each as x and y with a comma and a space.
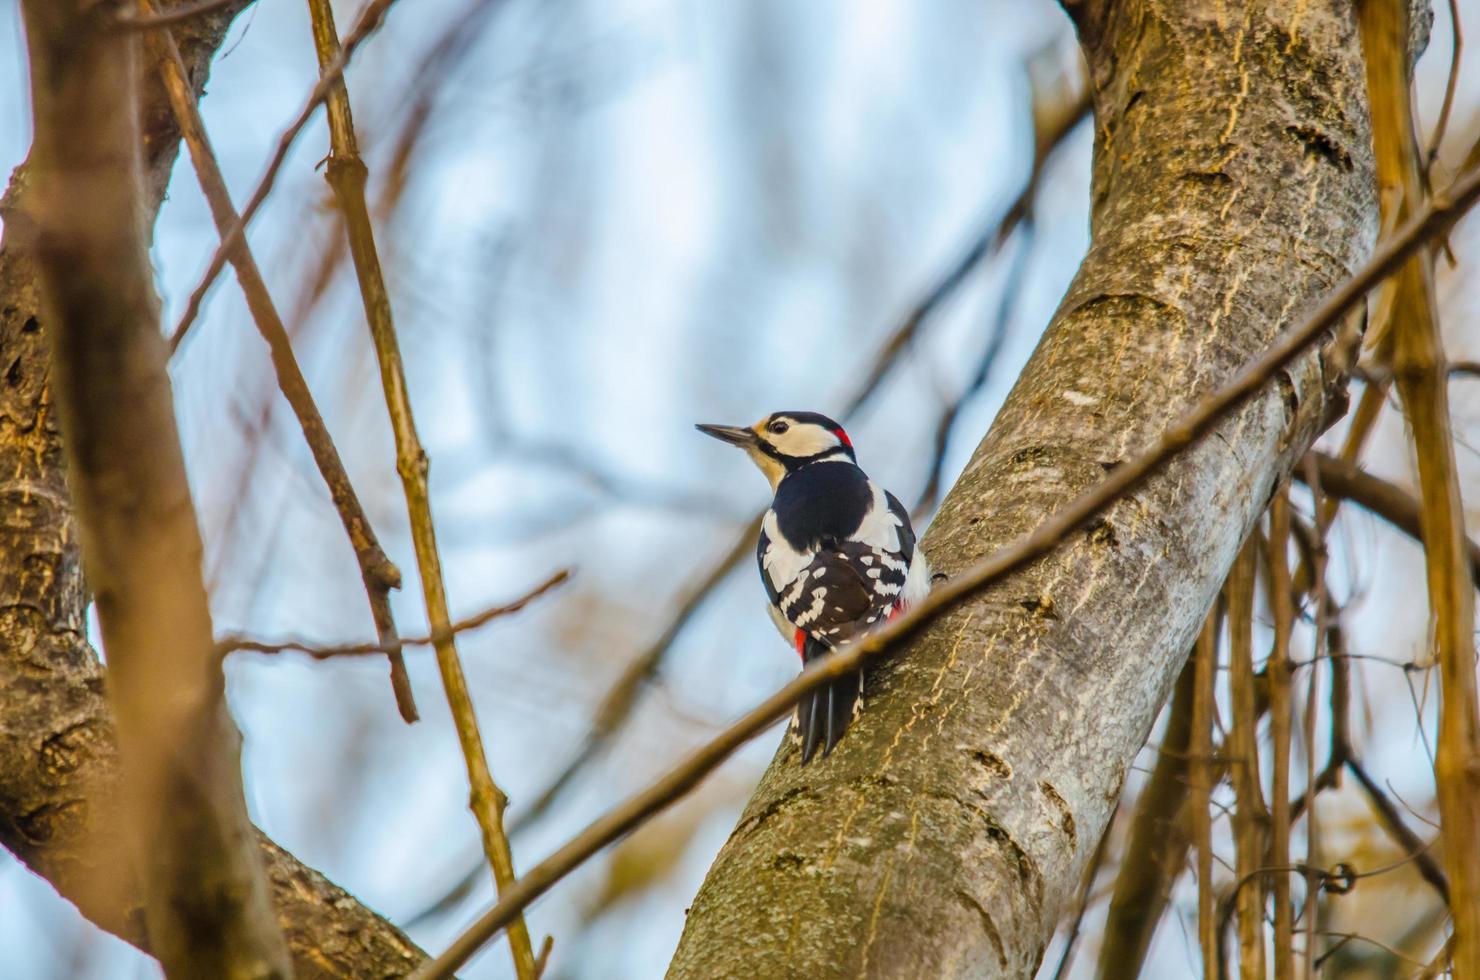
1232, 186
205, 893
59, 775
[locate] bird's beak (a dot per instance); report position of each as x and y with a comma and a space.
735, 435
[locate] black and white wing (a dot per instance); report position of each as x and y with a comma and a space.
831, 591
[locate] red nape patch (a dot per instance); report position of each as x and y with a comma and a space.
843, 438
801, 642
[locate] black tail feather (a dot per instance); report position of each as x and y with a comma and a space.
823, 715
811, 718
842, 695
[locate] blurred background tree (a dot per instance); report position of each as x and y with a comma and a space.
600, 223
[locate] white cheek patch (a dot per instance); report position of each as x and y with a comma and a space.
804, 440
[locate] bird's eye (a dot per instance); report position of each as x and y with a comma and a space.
777, 427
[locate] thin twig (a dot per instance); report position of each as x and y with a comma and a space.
985, 245
543, 959
1280, 708
369, 20
1387, 500
1451, 85
377, 572
1329, 633
1250, 818
1201, 747
346, 173
1347, 937
1392, 822
236, 643
1156, 845
1437, 216
996, 340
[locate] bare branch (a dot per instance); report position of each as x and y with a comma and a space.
377, 572
368, 22
346, 174
1201, 746
1055, 129
206, 896
1250, 817
1387, 500
1392, 822
244, 644
1451, 85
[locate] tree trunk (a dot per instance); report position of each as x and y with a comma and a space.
205, 893
1232, 187
59, 777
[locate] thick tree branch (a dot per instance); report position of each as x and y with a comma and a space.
205, 894
1231, 188
59, 776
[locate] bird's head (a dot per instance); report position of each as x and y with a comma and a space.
785, 441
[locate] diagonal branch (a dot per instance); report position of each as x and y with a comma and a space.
367, 23
1387, 500
376, 570
346, 175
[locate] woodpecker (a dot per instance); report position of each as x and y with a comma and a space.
837, 554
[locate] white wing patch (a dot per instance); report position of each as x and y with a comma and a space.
783, 563
880, 528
